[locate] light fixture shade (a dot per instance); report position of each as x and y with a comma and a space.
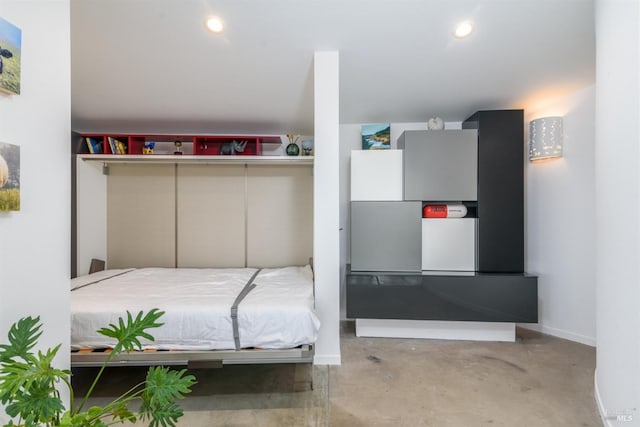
545, 138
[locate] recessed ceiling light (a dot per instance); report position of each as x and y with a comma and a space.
214, 24
463, 29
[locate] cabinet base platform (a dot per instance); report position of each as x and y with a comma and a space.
435, 329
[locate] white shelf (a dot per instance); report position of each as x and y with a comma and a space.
198, 159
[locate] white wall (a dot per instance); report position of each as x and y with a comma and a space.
326, 243
35, 242
91, 199
617, 210
561, 223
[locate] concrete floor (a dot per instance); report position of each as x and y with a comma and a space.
537, 381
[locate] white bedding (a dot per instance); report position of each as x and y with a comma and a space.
277, 313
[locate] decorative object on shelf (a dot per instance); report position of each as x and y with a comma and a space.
293, 149
116, 146
435, 123
444, 211
178, 145
545, 138
189, 148
9, 177
376, 136
307, 146
10, 54
148, 147
233, 147
93, 145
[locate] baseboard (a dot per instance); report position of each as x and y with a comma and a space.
605, 422
617, 417
560, 333
327, 359
435, 329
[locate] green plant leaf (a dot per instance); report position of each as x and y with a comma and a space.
40, 404
128, 334
28, 381
95, 412
37, 372
164, 386
165, 416
122, 413
23, 336
65, 420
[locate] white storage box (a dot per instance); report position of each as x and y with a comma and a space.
376, 175
448, 244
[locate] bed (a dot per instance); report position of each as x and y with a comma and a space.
213, 316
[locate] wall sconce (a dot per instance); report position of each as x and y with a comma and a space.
545, 138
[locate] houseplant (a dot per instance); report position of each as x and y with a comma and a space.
28, 381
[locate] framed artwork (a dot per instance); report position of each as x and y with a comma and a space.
376, 136
10, 53
9, 177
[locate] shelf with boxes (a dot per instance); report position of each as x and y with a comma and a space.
389, 230
426, 239
174, 148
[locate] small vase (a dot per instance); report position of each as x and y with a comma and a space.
293, 149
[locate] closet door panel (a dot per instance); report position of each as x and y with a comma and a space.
140, 216
211, 215
280, 215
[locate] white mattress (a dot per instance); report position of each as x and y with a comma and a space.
277, 313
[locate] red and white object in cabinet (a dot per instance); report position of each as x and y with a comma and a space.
444, 211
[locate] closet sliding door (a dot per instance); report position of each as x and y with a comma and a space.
140, 216
210, 215
280, 215
192, 215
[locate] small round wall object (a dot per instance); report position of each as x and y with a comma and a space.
435, 123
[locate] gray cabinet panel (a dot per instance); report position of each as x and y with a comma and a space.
440, 165
386, 236
479, 297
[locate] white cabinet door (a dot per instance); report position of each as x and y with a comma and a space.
448, 244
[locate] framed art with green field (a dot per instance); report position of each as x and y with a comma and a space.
9, 177
10, 54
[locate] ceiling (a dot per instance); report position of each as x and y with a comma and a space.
150, 65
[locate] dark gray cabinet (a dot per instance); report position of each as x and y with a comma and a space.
500, 226
479, 297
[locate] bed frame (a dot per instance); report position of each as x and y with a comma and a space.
193, 359
217, 193
301, 356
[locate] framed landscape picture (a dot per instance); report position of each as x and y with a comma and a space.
10, 53
376, 136
9, 177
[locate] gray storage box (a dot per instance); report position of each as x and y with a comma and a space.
386, 236
440, 165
